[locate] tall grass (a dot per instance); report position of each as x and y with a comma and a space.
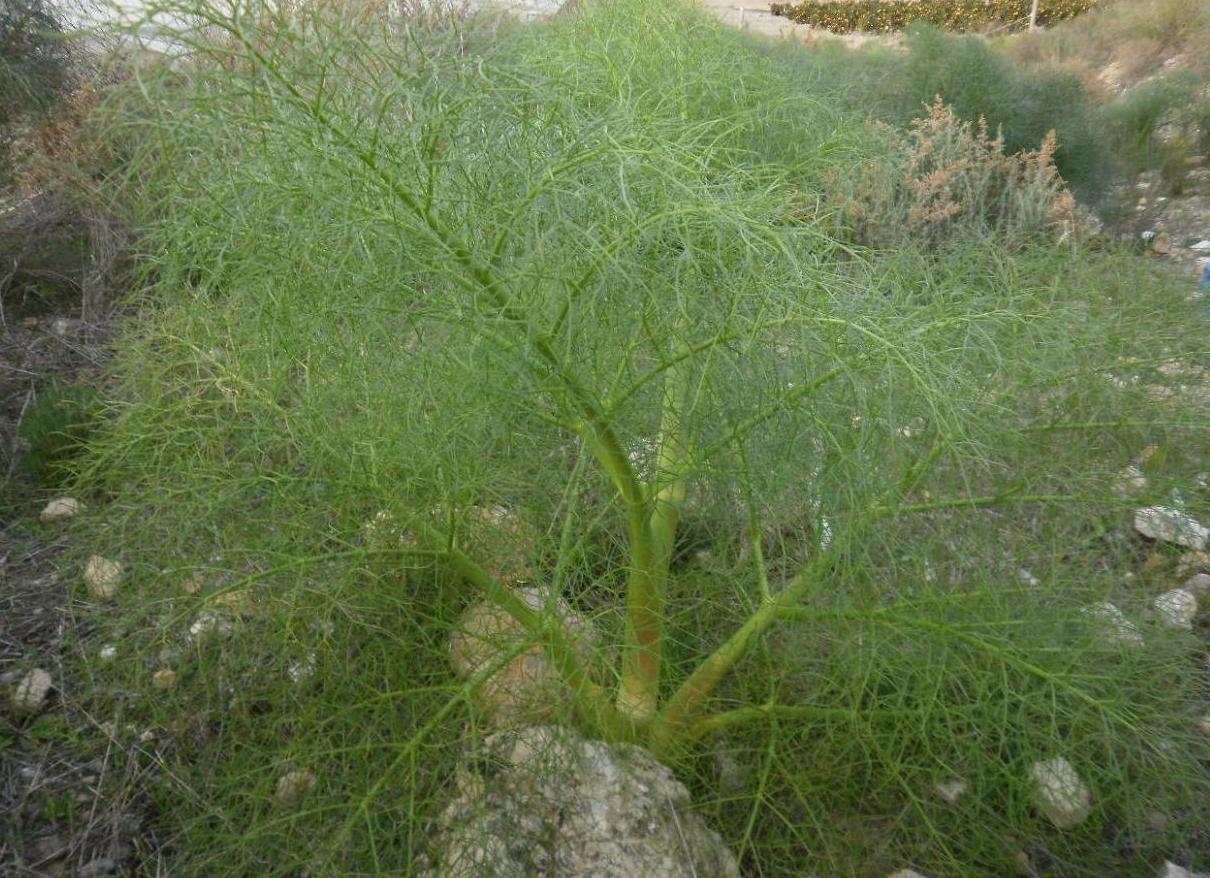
587, 275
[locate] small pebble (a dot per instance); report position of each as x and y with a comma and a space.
292, 786
1171, 526
1117, 628
1059, 792
207, 623
1177, 608
951, 790
102, 577
1172, 870
302, 670
1198, 585
1130, 481
30, 695
59, 509
107, 653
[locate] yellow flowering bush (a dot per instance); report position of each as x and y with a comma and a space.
954, 15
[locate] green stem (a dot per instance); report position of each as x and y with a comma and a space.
592, 700
971, 503
652, 542
766, 712
682, 710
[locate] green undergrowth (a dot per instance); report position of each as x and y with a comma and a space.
355, 243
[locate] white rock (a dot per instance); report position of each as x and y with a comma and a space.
541, 800
302, 670
905, 873
102, 577
1172, 870
107, 653
208, 622
293, 785
1198, 585
1177, 608
59, 509
1059, 793
30, 695
1116, 627
1171, 526
951, 791
1130, 481
1028, 578
1202, 246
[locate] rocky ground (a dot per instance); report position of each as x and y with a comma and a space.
64, 809
1175, 227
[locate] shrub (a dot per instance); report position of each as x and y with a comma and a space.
34, 67
33, 58
432, 313
950, 179
976, 82
883, 16
1155, 124
55, 429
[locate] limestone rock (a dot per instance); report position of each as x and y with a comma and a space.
102, 577
1177, 608
303, 669
293, 785
1171, 526
1193, 562
905, 873
207, 623
60, 509
1172, 870
1130, 481
541, 802
951, 791
1198, 585
30, 695
527, 689
1116, 627
1059, 793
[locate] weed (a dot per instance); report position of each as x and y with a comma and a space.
55, 428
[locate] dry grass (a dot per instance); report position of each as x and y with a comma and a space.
1119, 44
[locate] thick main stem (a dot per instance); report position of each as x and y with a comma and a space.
652, 538
686, 704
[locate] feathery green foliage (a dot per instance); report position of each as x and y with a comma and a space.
586, 276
